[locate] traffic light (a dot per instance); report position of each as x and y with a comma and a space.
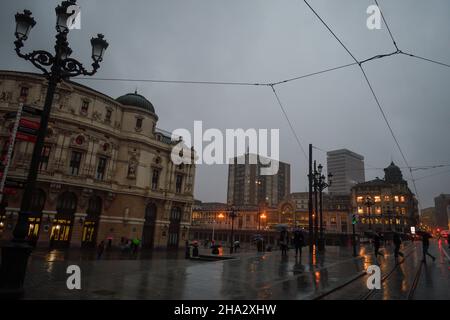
354, 219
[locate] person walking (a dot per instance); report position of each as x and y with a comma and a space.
299, 242
284, 242
397, 244
425, 245
376, 244
100, 249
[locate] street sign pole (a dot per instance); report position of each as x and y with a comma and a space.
7, 160
354, 235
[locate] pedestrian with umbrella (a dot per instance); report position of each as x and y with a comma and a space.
377, 243
426, 245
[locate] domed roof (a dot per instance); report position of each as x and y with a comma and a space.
393, 174
136, 100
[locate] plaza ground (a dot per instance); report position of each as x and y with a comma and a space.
250, 275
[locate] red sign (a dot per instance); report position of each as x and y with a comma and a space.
29, 124
25, 137
9, 191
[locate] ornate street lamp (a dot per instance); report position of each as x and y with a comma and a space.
369, 203
233, 215
55, 67
322, 184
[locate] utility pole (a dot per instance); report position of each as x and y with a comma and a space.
310, 201
316, 213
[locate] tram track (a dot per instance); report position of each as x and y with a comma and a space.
385, 277
361, 274
413, 287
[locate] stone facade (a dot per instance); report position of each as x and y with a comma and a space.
394, 207
107, 172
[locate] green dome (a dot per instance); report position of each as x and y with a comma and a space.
136, 100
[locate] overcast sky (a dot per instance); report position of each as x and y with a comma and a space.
267, 41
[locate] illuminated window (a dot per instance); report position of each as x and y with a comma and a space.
387, 198
378, 210
402, 199
403, 210
396, 198
360, 210
359, 199
377, 199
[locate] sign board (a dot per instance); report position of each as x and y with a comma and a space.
30, 131
29, 124
25, 137
9, 191
413, 230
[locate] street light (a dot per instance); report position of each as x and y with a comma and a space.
369, 203
220, 216
321, 184
55, 67
233, 215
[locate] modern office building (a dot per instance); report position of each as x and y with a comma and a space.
442, 211
248, 186
347, 168
428, 218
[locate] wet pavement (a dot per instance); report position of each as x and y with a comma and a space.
250, 275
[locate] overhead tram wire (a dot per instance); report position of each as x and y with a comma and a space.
289, 121
178, 81
425, 59
371, 89
223, 82
331, 31
387, 26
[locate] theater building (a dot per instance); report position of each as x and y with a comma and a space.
105, 174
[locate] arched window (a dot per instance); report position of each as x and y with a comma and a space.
94, 206
175, 214
67, 203
38, 200
150, 213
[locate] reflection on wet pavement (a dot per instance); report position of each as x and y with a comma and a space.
165, 275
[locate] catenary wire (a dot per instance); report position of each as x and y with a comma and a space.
289, 121
387, 26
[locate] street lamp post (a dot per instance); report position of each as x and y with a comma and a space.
369, 203
55, 67
322, 184
233, 215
